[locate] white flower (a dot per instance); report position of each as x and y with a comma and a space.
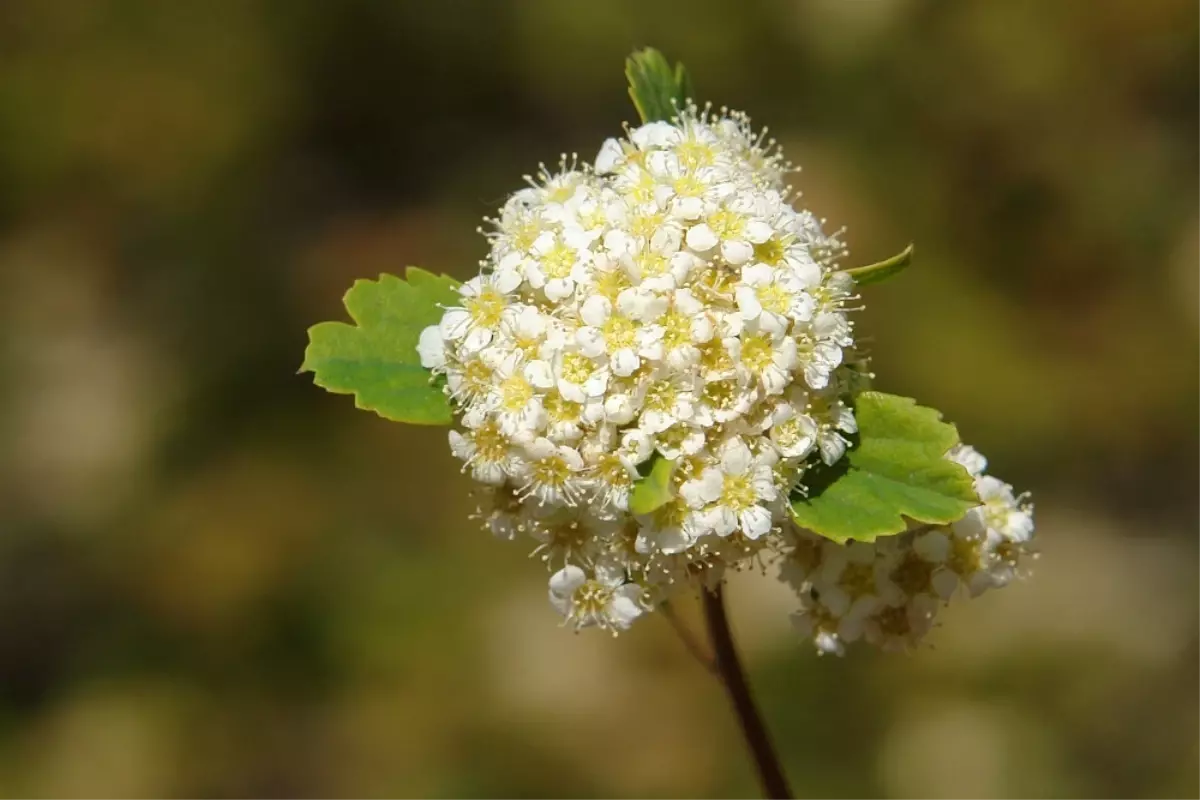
772, 298
768, 357
486, 451
793, 432
732, 494
670, 301
603, 599
513, 397
485, 307
888, 591
611, 334
550, 473
556, 265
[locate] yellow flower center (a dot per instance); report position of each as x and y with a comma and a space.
515, 393
610, 283
737, 493
774, 298
769, 252
858, 579
644, 225
550, 471
558, 262
727, 224
486, 308
966, 555
715, 358
693, 153
576, 368
477, 376
619, 332
914, 574
651, 265
560, 409
677, 330
660, 397
490, 444
689, 186
758, 353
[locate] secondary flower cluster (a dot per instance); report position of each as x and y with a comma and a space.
667, 302
889, 591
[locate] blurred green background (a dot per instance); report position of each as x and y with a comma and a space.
216, 579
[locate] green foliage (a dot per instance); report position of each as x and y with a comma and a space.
894, 469
882, 270
376, 359
654, 488
656, 89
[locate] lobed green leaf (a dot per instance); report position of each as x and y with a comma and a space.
895, 469
376, 358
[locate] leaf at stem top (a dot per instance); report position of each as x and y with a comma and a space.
882, 270
376, 358
658, 91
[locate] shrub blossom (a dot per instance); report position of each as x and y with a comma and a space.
669, 301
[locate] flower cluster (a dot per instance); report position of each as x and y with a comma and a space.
667, 301
889, 591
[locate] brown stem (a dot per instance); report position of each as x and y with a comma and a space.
729, 666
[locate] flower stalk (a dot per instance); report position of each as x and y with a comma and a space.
733, 677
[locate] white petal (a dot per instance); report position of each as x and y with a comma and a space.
701, 238
758, 231
758, 274
609, 156
756, 522
595, 310
625, 362
747, 300
736, 457
564, 582
655, 134
933, 546
624, 607
539, 374
506, 280
591, 342
736, 251
431, 348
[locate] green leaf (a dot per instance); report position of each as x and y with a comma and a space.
657, 90
894, 469
874, 273
376, 360
654, 488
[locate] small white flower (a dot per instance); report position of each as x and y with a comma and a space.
771, 299
793, 432
551, 473
513, 398
603, 599
485, 308
770, 358
556, 265
732, 494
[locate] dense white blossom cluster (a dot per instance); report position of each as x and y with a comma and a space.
667, 301
889, 591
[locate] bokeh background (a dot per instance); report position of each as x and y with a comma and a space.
217, 580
